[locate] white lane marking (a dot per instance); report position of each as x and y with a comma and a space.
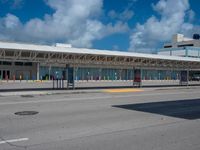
14, 140
90, 98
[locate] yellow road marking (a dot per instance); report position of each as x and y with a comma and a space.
122, 90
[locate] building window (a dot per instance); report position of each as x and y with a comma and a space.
19, 63
7, 63
168, 46
185, 45
28, 64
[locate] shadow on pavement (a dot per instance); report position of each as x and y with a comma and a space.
185, 109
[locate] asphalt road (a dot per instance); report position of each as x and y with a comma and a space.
152, 119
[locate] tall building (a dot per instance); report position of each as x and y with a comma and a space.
182, 46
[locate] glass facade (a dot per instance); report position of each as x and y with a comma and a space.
160, 75
103, 74
81, 73
47, 73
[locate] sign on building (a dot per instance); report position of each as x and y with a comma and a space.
184, 77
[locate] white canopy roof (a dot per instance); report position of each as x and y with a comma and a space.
46, 48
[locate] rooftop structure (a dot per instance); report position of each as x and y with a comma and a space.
178, 40
38, 53
182, 46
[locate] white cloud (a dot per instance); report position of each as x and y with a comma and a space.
124, 16
155, 30
96, 30
115, 47
10, 27
11, 21
191, 15
74, 21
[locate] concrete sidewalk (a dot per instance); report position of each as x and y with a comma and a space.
48, 92
48, 85
81, 91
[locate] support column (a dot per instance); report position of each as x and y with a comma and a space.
38, 71
49, 72
120, 74
137, 77
187, 77
76, 73
70, 77
100, 74
184, 77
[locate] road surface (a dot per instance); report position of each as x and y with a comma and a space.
147, 119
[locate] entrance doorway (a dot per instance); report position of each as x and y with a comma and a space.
4, 74
23, 75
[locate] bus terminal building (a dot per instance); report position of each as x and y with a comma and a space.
19, 61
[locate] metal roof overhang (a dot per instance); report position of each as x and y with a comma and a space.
79, 56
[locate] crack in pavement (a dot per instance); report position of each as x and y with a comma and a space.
12, 145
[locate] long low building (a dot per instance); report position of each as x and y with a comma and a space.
35, 62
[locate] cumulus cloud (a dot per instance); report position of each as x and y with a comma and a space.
124, 16
10, 27
74, 21
146, 37
191, 15
115, 47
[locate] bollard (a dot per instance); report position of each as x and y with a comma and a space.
57, 82
20, 78
7, 78
53, 83
13, 78
62, 83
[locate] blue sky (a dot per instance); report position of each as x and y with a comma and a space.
128, 25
